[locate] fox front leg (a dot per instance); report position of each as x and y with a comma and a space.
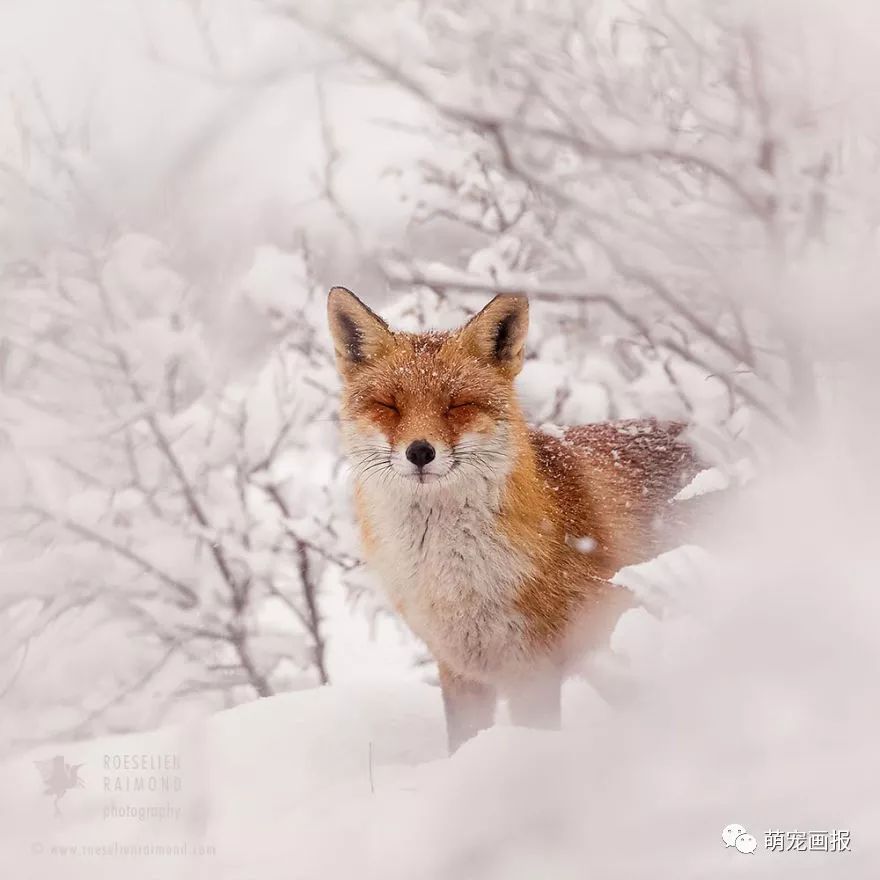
469, 706
536, 701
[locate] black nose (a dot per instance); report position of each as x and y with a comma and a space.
420, 452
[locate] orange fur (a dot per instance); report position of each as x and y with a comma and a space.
498, 552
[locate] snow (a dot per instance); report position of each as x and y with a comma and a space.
706, 716
552, 430
709, 480
582, 543
246, 777
669, 580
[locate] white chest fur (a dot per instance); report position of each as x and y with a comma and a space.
452, 573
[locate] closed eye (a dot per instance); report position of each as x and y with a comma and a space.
387, 405
461, 405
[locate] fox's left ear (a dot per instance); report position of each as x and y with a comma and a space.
359, 334
497, 334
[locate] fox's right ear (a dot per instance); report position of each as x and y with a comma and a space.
359, 334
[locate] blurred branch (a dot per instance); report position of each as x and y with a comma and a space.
766, 409
189, 597
309, 588
239, 641
84, 726
443, 278
332, 157
23, 653
165, 446
495, 125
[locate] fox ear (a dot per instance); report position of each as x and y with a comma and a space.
359, 334
497, 334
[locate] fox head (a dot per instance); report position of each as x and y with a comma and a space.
429, 409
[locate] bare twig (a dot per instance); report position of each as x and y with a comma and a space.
187, 595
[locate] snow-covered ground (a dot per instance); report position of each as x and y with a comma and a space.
734, 713
353, 782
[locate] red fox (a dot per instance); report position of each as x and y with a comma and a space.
494, 541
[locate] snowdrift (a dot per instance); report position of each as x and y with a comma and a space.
747, 700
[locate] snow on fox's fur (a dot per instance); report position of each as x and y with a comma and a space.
494, 541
